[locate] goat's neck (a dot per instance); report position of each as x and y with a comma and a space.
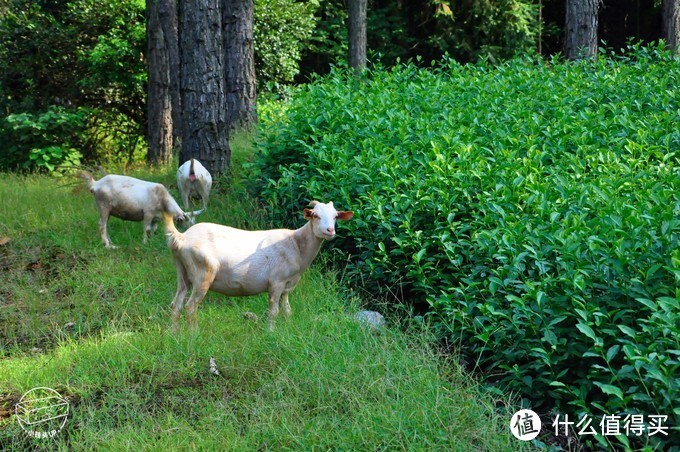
308, 244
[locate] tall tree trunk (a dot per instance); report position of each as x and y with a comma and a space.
581, 29
239, 63
671, 24
204, 105
159, 119
167, 14
357, 33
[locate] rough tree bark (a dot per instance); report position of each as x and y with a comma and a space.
239, 63
357, 33
159, 108
581, 29
671, 24
167, 15
204, 105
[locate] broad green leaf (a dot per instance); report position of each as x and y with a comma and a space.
627, 330
609, 389
588, 331
613, 350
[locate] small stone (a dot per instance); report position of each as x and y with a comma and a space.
371, 318
250, 316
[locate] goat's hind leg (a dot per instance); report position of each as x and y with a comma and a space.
149, 227
204, 192
285, 306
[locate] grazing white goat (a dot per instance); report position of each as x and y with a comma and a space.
238, 263
134, 200
194, 179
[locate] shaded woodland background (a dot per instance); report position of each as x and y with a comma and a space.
77, 80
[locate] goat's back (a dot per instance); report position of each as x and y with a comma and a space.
246, 261
129, 198
237, 244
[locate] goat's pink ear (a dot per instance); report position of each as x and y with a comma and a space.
345, 215
308, 213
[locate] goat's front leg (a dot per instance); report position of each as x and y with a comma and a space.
275, 293
103, 232
201, 284
178, 301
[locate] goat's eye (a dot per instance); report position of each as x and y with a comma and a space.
316, 216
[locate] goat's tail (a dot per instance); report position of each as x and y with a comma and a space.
174, 238
87, 177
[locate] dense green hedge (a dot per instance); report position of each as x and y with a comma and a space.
535, 206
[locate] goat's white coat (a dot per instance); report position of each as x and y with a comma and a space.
131, 199
199, 185
235, 262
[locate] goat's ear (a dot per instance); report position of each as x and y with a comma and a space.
308, 213
345, 215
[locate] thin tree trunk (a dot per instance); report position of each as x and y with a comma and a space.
671, 24
159, 119
239, 60
540, 27
357, 33
167, 14
581, 29
204, 106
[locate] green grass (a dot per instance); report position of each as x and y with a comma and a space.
93, 324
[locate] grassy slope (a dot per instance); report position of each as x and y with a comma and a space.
319, 380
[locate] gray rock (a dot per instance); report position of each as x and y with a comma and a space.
370, 318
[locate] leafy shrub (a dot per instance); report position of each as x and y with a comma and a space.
534, 206
51, 157
281, 30
89, 66
89, 55
43, 141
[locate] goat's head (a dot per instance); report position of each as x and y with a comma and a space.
323, 217
188, 217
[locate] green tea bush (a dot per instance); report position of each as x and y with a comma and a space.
534, 206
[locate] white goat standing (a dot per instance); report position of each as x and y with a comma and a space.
238, 263
194, 179
132, 199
